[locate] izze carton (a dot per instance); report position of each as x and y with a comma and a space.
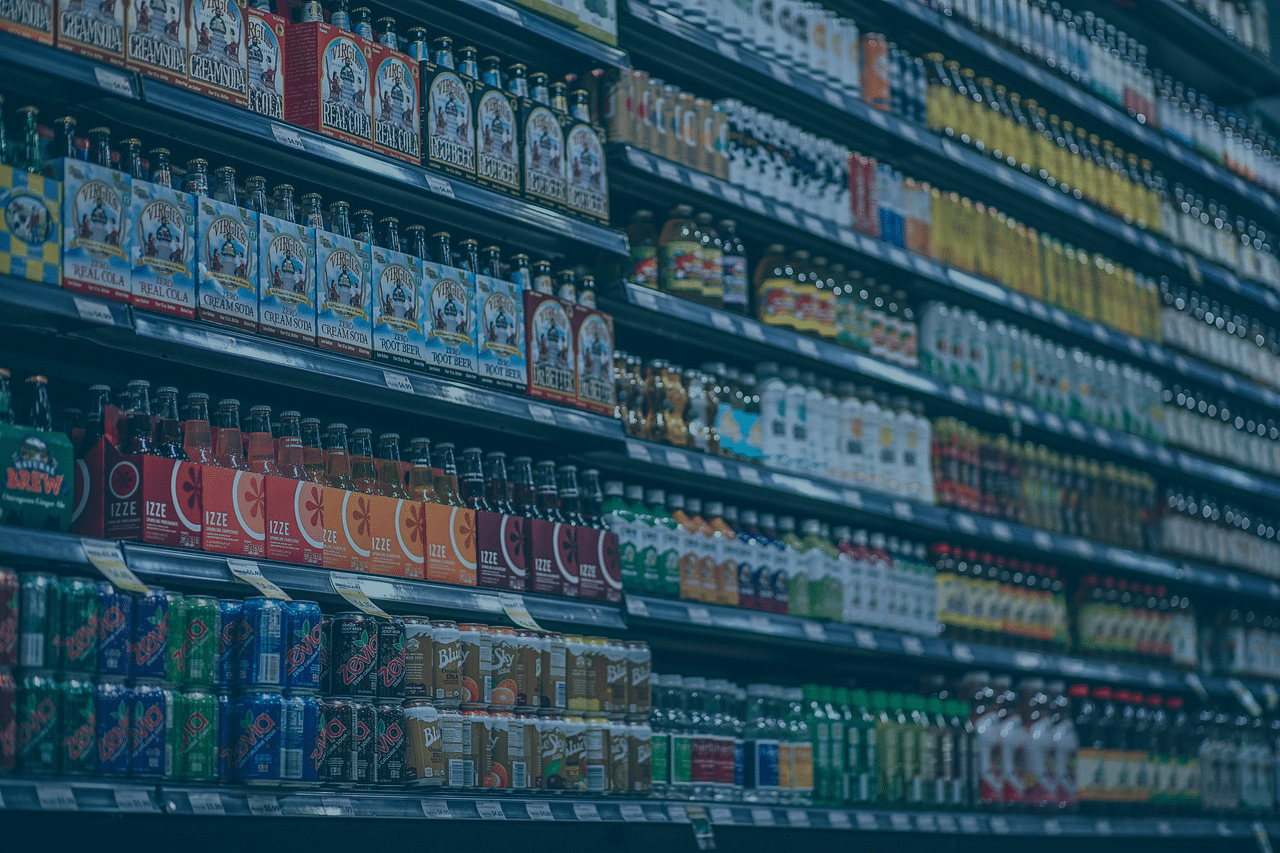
543, 157
155, 38
266, 52
327, 89
500, 330
398, 335
497, 140
389, 554
30, 18
295, 521
286, 280
346, 530
226, 264
586, 188
449, 132
552, 555
162, 249
93, 29
95, 220
235, 514
502, 558
448, 299
411, 533
397, 124
451, 544
593, 347
217, 49
343, 318
599, 568
549, 333
30, 226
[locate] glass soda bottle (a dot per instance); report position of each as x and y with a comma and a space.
197, 438
137, 417
390, 471
168, 437
229, 442
523, 494
289, 450
497, 489
680, 254
262, 451
471, 476
446, 475
421, 471
363, 471
337, 459
548, 501
642, 264
570, 498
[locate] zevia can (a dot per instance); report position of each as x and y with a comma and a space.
39, 712
38, 606
259, 726
335, 753
298, 749
424, 754
390, 736
200, 642
8, 721
391, 660
152, 713
226, 737
111, 716
418, 656
477, 666
353, 659
502, 656
326, 658
195, 732
8, 617
229, 612
151, 636
365, 742
115, 631
446, 674
175, 658
261, 644
77, 626
303, 633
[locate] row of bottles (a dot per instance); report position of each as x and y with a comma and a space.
1220, 333
1032, 485
1212, 426
692, 256
960, 346
999, 600
1244, 642
1123, 620
1201, 527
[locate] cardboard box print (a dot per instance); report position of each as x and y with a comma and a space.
217, 58
544, 164
343, 321
497, 151
226, 270
30, 236
551, 355
162, 250
286, 280
397, 125
397, 332
95, 218
156, 38
451, 124
595, 363
588, 192
449, 297
500, 313
266, 64
345, 92
30, 18
93, 28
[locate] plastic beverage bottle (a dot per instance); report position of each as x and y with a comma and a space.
680, 254
725, 553
797, 577
761, 746
667, 542
620, 518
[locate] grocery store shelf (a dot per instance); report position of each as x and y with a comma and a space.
179, 800
722, 331
233, 132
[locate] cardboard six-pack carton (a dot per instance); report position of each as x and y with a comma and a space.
344, 313
95, 219
161, 249
226, 264
327, 88
266, 52
93, 29
30, 226
217, 49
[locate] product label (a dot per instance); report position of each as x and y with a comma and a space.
344, 89
544, 160
266, 64
226, 264
156, 38
287, 280
217, 49
588, 192
680, 267
449, 300
92, 29
397, 128
30, 18
595, 361
397, 329
162, 250
551, 350
94, 220
343, 321
450, 124
30, 234
500, 313
497, 157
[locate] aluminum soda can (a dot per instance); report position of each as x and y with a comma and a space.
39, 710
151, 636
552, 678
390, 736
424, 751
418, 655
364, 742
78, 749
335, 754
451, 745
9, 594
115, 632
353, 658
528, 662
149, 730
229, 625
259, 727
326, 668
8, 721
446, 669
477, 666
303, 642
261, 644
475, 747
174, 663
38, 608
390, 676
226, 736
111, 716
195, 735
201, 638
552, 746
298, 753
502, 667
76, 634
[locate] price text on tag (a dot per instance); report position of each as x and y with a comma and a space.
513, 605
108, 559
248, 571
350, 588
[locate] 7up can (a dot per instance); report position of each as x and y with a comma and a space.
200, 641
194, 736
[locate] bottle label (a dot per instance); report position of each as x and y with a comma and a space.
681, 759
680, 267
776, 302
660, 758
644, 266
734, 273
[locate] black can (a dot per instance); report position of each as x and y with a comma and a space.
365, 742
326, 629
335, 742
390, 658
353, 655
390, 737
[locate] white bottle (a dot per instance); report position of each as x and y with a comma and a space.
796, 443
904, 449
774, 428
935, 352
873, 417
815, 428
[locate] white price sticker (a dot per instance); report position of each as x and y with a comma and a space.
114, 82
678, 814
263, 805
542, 414
912, 646
749, 475
668, 171
947, 824
839, 820
999, 826
644, 298
720, 814
762, 817
727, 50
489, 810
832, 97
1001, 531
637, 607
760, 623
439, 810
814, 632
586, 811
632, 812
723, 323
206, 802
962, 653
753, 202
851, 498
350, 588
440, 186
109, 559
1042, 540
1052, 827
1163, 827
969, 824
753, 331
864, 638
797, 817
93, 311
900, 822
807, 347
926, 823
733, 195
397, 381
133, 800
780, 74
702, 184
338, 807
56, 798
714, 468
502, 10
816, 226
902, 510
676, 459
539, 811
699, 615
287, 136
966, 524
638, 451
785, 215
867, 821
249, 572
513, 605
1103, 827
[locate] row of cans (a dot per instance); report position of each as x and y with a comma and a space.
479, 667
503, 751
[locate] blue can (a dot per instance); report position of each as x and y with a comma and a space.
298, 758
226, 736
224, 671
151, 636
259, 728
153, 712
261, 645
304, 633
115, 632
112, 712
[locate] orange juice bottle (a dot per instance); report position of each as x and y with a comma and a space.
726, 566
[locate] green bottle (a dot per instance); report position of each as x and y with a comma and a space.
848, 753
667, 544
797, 578
863, 749
889, 753
621, 519
835, 719
914, 756
820, 733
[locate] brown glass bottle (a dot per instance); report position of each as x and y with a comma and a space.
197, 438
471, 480
497, 488
313, 455
446, 475
390, 471
363, 472
337, 458
229, 441
168, 437
262, 450
289, 453
421, 473
523, 494
548, 501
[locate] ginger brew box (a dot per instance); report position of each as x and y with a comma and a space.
30, 234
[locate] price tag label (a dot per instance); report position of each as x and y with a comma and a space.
814, 632
832, 97
1028, 660
785, 214
749, 475
263, 805
962, 653
807, 347
637, 607
912, 646
133, 800
397, 381
439, 810
839, 820
676, 459
797, 817
851, 498
1001, 531
440, 186
867, 821
338, 807
109, 559
1103, 827
1163, 827
753, 202
489, 810
502, 10
780, 74
1260, 835
349, 587
56, 798
668, 171
699, 615
902, 510
753, 331
206, 802
287, 136
114, 82
727, 50
720, 814
926, 823
638, 451
969, 824
1233, 581
632, 812
586, 811
966, 524
900, 822
816, 225
248, 571
702, 184
678, 814
723, 323
513, 605
864, 638
947, 824
93, 310
733, 195
542, 414
644, 298
1052, 827
1076, 430
714, 468
760, 623
762, 817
